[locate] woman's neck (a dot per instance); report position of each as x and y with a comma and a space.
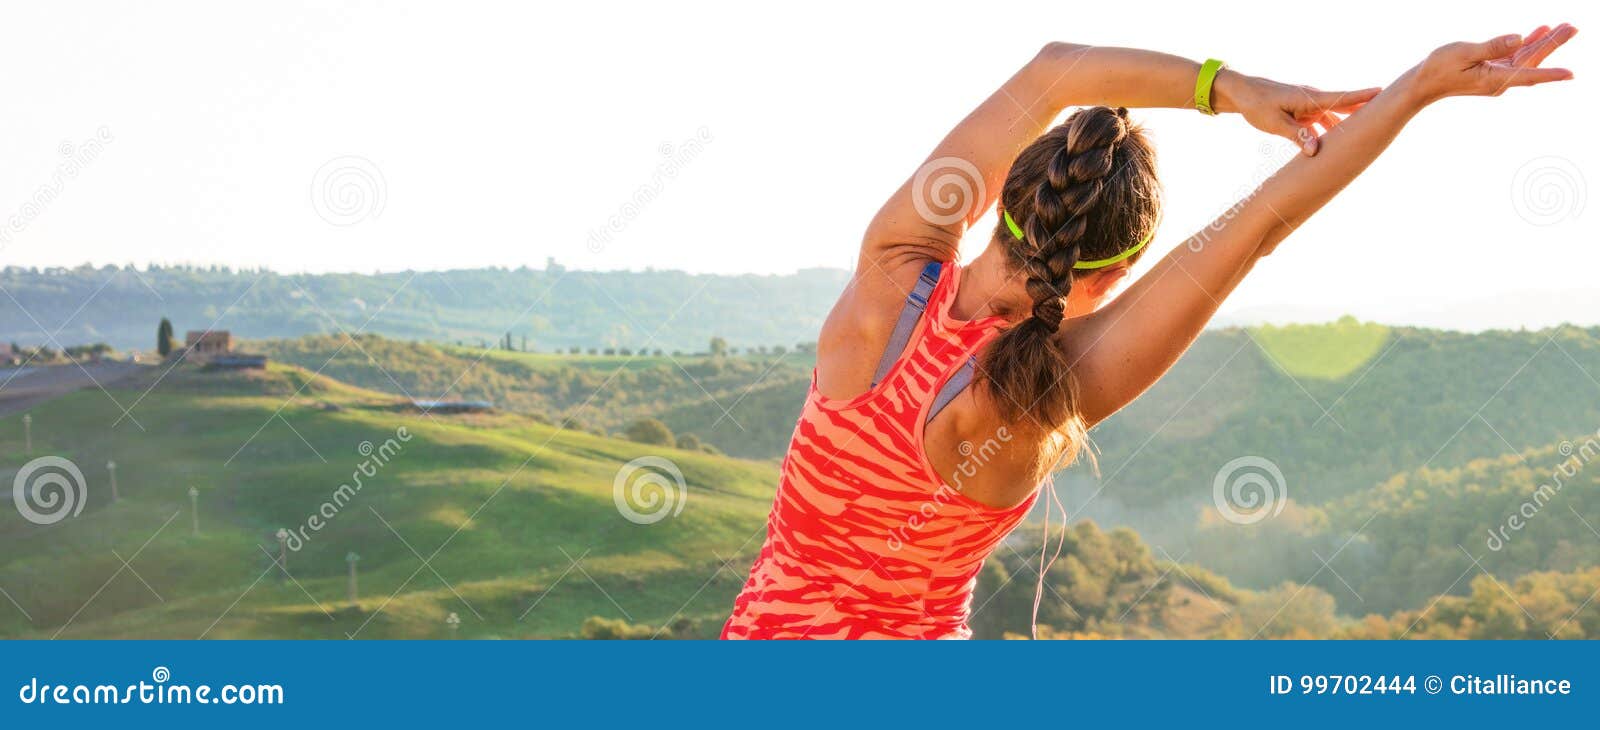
982, 290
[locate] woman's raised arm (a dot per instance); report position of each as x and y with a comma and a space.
925, 218
1122, 349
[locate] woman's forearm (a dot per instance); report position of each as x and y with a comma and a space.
1181, 292
1080, 75
1304, 185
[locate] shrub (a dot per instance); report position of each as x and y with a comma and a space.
599, 628
650, 431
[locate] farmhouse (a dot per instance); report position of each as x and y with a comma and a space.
208, 342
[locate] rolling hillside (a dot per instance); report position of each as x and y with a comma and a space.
503, 501
604, 392
1337, 407
507, 523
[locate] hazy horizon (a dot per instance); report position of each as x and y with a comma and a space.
322, 140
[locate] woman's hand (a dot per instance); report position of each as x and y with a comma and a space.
1286, 110
1488, 69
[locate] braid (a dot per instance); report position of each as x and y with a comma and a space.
1086, 189
1062, 205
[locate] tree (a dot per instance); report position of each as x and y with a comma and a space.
164, 342
719, 347
650, 431
689, 442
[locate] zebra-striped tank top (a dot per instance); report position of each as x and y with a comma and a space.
865, 540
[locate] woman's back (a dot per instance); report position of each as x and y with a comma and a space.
865, 540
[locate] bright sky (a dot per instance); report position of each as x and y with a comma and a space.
502, 135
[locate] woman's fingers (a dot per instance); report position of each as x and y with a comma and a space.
1491, 49
1529, 53
1300, 133
1537, 52
1518, 76
1537, 34
1323, 101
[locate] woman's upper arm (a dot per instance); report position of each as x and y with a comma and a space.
1121, 350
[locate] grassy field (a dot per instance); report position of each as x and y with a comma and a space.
501, 504
598, 392
508, 523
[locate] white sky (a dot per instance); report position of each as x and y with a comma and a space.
506, 134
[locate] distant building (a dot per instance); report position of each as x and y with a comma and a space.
208, 342
8, 355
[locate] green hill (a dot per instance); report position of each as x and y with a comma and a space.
723, 400
1513, 515
1537, 606
498, 501
1338, 407
508, 523
1424, 397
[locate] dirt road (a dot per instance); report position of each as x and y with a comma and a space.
26, 387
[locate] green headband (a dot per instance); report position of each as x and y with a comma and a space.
1016, 230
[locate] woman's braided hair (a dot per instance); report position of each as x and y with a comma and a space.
1084, 190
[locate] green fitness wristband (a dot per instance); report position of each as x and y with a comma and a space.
1202, 85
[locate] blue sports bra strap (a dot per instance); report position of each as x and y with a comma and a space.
959, 380
916, 301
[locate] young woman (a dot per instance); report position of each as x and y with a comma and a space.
944, 396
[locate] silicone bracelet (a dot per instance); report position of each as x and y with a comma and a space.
1202, 85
